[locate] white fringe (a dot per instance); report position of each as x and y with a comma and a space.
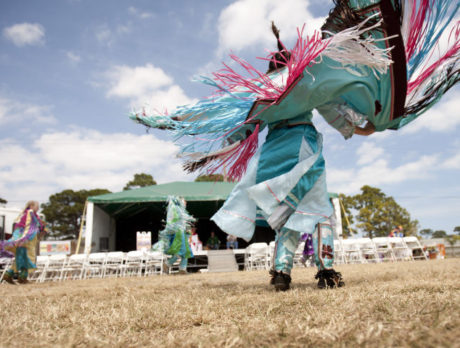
348, 48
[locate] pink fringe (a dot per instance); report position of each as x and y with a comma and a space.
418, 29
426, 73
305, 51
304, 54
237, 159
231, 80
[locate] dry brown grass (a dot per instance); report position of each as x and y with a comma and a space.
399, 304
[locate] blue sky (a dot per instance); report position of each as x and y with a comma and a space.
71, 70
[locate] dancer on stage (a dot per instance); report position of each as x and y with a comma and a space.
173, 239
22, 245
373, 67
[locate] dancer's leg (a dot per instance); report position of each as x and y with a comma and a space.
285, 247
23, 274
9, 276
171, 260
323, 243
183, 264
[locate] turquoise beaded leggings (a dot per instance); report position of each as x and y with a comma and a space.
286, 243
23, 273
183, 262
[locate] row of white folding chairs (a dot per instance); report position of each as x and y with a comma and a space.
356, 250
98, 265
257, 256
379, 249
260, 255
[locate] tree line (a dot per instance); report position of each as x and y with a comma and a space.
371, 212
63, 211
375, 214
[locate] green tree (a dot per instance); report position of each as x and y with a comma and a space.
64, 210
140, 180
210, 177
3, 201
457, 230
439, 234
452, 239
426, 232
377, 213
347, 205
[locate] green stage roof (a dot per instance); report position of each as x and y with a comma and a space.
203, 198
191, 191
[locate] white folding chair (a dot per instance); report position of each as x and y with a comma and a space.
174, 268
153, 262
415, 247
5, 263
256, 256
113, 266
298, 255
75, 267
352, 251
53, 271
271, 254
133, 263
368, 250
38, 274
400, 249
384, 250
339, 255
94, 267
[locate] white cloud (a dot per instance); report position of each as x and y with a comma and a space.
443, 117
368, 152
379, 173
145, 85
83, 159
131, 82
25, 34
139, 13
73, 57
104, 35
246, 23
12, 111
452, 162
124, 29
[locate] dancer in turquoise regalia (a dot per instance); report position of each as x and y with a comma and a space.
28, 228
371, 68
173, 239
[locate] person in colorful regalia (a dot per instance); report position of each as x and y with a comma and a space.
28, 228
373, 66
173, 240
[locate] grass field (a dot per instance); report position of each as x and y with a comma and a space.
412, 304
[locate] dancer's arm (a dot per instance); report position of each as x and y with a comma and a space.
368, 129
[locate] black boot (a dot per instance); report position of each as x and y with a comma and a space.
328, 278
280, 280
8, 278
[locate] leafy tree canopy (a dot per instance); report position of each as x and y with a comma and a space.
140, 180
426, 232
376, 214
457, 230
439, 234
210, 177
452, 239
3, 201
64, 210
